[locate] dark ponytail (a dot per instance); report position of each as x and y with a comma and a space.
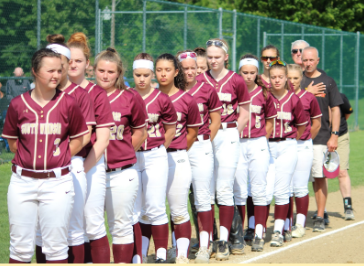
179, 80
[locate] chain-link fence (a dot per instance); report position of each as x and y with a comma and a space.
156, 26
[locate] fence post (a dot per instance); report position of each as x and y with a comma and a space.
356, 125
322, 59
99, 32
185, 30
144, 23
258, 36
264, 39
234, 40
220, 22
303, 32
97, 22
282, 41
341, 63
38, 22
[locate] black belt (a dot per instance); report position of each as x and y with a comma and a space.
49, 174
204, 136
119, 168
173, 150
277, 139
149, 149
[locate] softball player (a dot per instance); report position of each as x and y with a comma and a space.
301, 174
152, 160
76, 230
268, 54
288, 126
201, 60
254, 152
200, 154
171, 81
232, 92
122, 181
44, 127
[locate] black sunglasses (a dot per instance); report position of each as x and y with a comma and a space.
295, 51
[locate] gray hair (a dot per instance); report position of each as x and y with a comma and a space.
295, 43
311, 48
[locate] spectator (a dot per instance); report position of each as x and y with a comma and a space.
296, 52
15, 87
90, 71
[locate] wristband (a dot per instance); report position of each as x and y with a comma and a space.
335, 133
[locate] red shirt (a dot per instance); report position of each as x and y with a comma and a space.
102, 111
160, 111
84, 102
311, 109
127, 113
43, 134
232, 92
207, 102
187, 116
289, 115
260, 110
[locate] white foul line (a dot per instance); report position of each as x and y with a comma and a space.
301, 242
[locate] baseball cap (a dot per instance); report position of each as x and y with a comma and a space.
331, 165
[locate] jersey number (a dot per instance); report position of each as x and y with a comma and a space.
154, 131
287, 128
228, 109
257, 122
58, 150
117, 132
178, 130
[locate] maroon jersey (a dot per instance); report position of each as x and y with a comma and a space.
43, 134
289, 115
140, 101
207, 102
311, 109
260, 110
160, 111
187, 116
127, 113
232, 92
102, 111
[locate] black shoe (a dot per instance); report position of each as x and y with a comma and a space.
195, 247
249, 236
319, 224
159, 260
314, 216
222, 251
326, 218
237, 248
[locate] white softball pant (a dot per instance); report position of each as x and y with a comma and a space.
76, 227
253, 163
152, 167
226, 148
121, 192
282, 164
178, 186
201, 159
299, 184
95, 201
50, 200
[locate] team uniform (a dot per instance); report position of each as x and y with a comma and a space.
283, 151
41, 184
122, 181
254, 156
96, 178
232, 92
201, 155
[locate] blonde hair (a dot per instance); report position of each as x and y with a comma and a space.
286, 86
295, 67
226, 44
79, 40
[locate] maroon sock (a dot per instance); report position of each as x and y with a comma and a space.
212, 221
87, 250
250, 209
16, 261
146, 230
40, 257
290, 212
280, 211
226, 216
57, 261
160, 236
183, 231
266, 217
204, 223
76, 254
100, 250
260, 214
123, 253
241, 209
302, 205
137, 241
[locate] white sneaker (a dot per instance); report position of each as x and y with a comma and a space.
171, 255
182, 260
298, 231
144, 259
202, 256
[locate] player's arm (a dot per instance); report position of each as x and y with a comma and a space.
269, 127
86, 138
138, 137
215, 123
315, 126
192, 133
169, 135
102, 140
243, 116
300, 131
335, 117
13, 146
75, 145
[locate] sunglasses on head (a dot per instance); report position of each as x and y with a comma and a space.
295, 51
186, 55
265, 58
277, 62
216, 43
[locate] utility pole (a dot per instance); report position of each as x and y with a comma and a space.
112, 39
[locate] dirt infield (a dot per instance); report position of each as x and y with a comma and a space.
345, 246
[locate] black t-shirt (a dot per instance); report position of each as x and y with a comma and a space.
330, 98
345, 108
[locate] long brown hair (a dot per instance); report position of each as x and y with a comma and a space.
179, 80
268, 47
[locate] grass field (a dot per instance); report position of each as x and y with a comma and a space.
356, 174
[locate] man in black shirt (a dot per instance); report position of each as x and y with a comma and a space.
15, 87
326, 139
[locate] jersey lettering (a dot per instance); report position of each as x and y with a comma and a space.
255, 109
179, 116
228, 109
116, 116
117, 132
257, 122
178, 130
200, 107
287, 128
153, 118
45, 128
224, 97
154, 132
57, 152
284, 115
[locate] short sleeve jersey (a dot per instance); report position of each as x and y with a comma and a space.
102, 111
207, 101
160, 112
290, 115
232, 91
329, 98
345, 108
140, 100
43, 133
127, 113
311, 109
187, 116
260, 110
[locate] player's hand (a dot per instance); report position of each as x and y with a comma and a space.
317, 88
332, 143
